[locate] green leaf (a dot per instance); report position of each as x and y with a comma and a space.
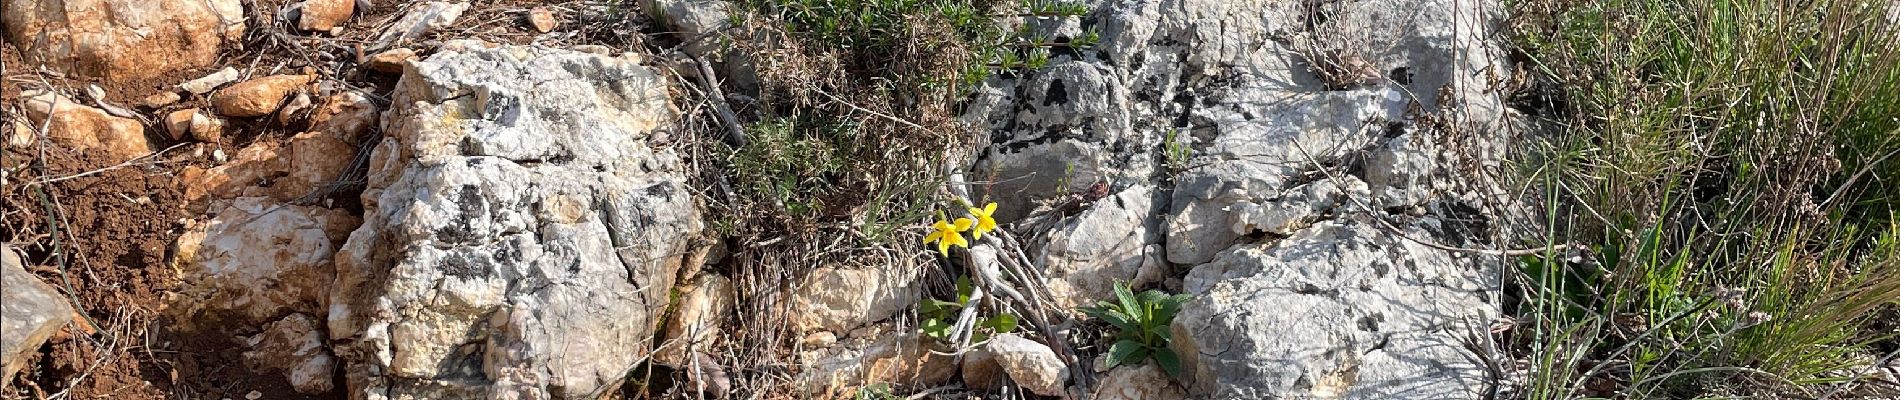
936, 328
1162, 333
1125, 351
1119, 320
1129, 304
933, 308
1169, 362
1152, 297
1002, 323
963, 290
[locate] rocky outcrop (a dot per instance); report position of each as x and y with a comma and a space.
122, 40
521, 235
1345, 309
1328, 141
30, 312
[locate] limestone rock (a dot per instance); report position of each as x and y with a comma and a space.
839, 299
1072, 131
1033, 366
389, 61
1343, 303
900, 359
694, 325
349, 115
294, 108
86, 128
19, 136
1138, 382
692, 18
518, 212
178, 123
293, 346
542, 19
207, 128
160, 100
257, 97
299, 169
322, 15
256, 261
1117, 239
122, 40
210, 82
419, 21
1299, 294
30, 312
982, 372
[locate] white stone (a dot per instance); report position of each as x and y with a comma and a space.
523, 238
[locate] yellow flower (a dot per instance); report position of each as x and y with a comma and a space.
985, 219
946, 235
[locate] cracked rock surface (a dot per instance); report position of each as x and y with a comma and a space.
521, 234
1303, 213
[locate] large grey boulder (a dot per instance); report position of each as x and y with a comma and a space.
1344, 309
521, 233
30, 311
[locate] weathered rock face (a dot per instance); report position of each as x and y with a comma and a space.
30, 311
694, 326
294, 346
1300, 293
521, 235
257, 261
302, 169
122, 40
75, 125
908, 359
1141, 382
840, 299
1342, 310
1118, 239
1012, 358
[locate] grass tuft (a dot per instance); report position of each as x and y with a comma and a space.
1730, 160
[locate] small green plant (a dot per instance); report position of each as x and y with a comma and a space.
1141, 323
877, 391
939, 315
1174, 151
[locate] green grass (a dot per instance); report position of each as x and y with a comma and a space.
1727, 163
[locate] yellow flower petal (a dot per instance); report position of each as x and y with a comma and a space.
944, 247
957, 239
990, 209
934, 236
963, 224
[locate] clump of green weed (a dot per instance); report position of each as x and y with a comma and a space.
1141, 326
